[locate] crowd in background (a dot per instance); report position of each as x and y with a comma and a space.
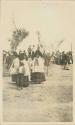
63, 57
57, 57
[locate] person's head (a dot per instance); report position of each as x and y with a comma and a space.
36, 55
25, 57
16, 55
20, 52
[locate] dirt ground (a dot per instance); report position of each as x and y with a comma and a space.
50, 101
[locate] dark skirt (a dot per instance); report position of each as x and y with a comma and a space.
38, 77
14, 77
20, 79
25, 81
63, 62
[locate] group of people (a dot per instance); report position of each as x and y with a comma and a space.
24, 70
63, 58
33, 65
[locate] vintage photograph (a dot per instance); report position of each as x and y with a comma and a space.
37, 60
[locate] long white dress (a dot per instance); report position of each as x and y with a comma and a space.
14, 69
38, 74
38, 65
26, 70
15, 66
30, 64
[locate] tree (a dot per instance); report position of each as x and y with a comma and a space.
17, 36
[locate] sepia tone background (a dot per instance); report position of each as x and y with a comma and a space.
55, 21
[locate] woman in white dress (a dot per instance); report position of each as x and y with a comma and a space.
20, 77
14, 69
38, 74
26, 71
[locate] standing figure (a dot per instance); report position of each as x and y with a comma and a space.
8, 61
29, 51
20, 77
65, 60
47, 62
26, 72
14, 69
38, 74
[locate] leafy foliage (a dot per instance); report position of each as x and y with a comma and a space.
17, 36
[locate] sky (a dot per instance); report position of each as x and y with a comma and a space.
54, 20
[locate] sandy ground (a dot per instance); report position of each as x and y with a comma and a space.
50, 101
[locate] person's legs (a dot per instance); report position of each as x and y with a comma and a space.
45, 69
17, 80
26, 81
65, 65
21, 81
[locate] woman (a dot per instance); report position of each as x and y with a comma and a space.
14, 68
20, 77
38, 74
26, 72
